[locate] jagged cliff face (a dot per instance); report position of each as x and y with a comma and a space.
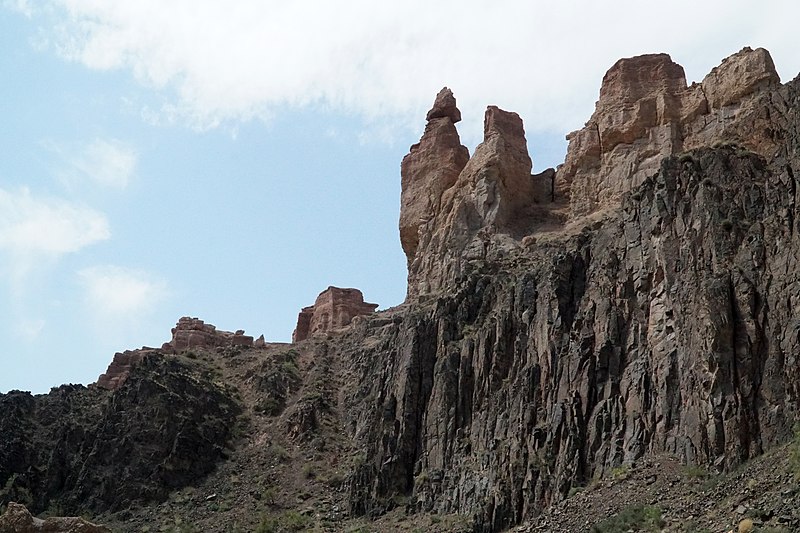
641, 298
524, 365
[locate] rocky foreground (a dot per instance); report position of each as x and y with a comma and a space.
616, 332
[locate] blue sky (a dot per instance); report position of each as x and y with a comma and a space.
230, 160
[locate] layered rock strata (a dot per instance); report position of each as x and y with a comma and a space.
333, 309
194, 333
647, 112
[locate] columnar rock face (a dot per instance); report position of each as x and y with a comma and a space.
431, 167
334, 308
664, 322
17, 519
646, 112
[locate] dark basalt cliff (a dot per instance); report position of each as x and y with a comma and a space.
640, 299
662, 321
81, 449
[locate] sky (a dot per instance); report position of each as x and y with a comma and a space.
229, 160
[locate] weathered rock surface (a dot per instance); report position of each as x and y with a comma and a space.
663, 324
194, 333
646, 112
189, 333
534, 354
120, 367
17, 519
431, 167
334, 308
77, 448
493, 194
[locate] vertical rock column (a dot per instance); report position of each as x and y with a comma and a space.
431, 167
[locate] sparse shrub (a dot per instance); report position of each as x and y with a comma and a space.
694, 472
634, 517
794, 452
746, 526
335, 480
279, 453
573, 491
620, 472
287, 521
421, 478
309, 471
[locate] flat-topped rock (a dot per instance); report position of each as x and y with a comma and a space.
195, 333
334, 308
646, 112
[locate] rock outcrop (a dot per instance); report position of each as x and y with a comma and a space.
189, 333
334, 308
89, 449
661, 324
493, 194
647, 112
640, 300
194, 333
17, 519
120, 367
431, 167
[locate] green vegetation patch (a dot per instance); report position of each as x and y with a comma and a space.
633, 518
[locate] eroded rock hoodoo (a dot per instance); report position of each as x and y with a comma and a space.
450, 202
334, 308
431, 167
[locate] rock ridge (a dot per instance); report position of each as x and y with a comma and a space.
460, 209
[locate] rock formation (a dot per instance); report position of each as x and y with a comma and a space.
334, 308
17, 519
646, 112
90, 449
120, 367
641, 300
189, 333
492, 193
431, 167
194, 333
661, 324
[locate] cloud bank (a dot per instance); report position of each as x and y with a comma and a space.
223, 61
42, 226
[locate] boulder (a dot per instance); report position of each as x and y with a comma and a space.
17, 519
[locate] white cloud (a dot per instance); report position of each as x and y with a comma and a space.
29, 329
113, 291
42, 226
229, 61
22, 6
106, 162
